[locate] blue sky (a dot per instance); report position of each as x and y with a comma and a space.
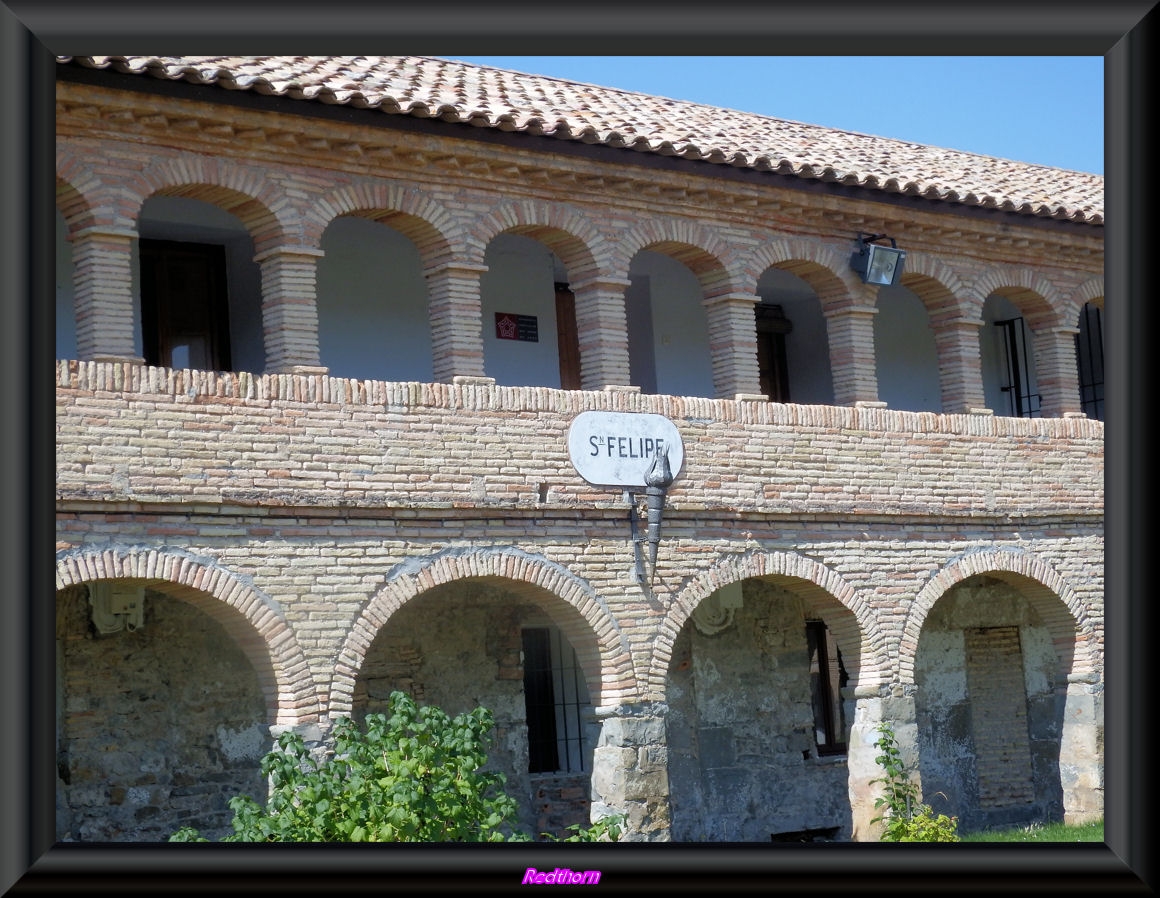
1047, 110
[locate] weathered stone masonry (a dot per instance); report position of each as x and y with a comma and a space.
308, 542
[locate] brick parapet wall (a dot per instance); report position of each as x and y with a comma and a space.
133, 433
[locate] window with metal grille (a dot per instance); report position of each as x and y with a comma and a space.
1089, 358
1018, 375
556, 699
827, 678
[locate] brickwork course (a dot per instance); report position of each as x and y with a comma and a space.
305, 542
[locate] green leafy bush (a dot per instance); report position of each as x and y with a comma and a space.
414, 775
907, 818
606, 829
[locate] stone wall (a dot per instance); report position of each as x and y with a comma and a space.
159, 727
459, 647
990, 703
740, 730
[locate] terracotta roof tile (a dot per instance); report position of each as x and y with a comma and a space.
429, 87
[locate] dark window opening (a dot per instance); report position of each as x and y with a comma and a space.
772, 326
827, 679
1017, 385
555, 698
184, 305
1089, 357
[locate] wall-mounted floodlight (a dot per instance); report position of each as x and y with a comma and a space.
877, 264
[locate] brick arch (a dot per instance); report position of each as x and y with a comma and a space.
1062, 611
254, 620
824, 266
940, 288
1034, 295
1091, 290
409, 211
260, 204
75, 201
566, 231
89, 197
578, 611
695, 246
849, 617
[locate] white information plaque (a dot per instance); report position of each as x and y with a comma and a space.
616, 449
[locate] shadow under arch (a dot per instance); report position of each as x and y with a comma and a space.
1063, 613
239, 189
1092, 290
1036, 296
255, 622
760, 709
821, 265
581, 615
1006, 673
818, 586
566, 231
423, 221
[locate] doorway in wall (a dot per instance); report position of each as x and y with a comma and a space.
184, 305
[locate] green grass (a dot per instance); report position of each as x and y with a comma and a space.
1048, 832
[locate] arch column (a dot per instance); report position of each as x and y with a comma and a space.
1056, 372
960, 366
1081, 749
733, 345
602, 328
872, 708
630, 771
290, 309
850, 330
455, 311
103, 290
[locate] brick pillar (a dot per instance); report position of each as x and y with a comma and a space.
602, 327
103, 287
630, 772
290, 309
960, 366
1056, 372
851, 335
733, 346
455, 310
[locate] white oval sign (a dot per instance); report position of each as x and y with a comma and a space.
617, 448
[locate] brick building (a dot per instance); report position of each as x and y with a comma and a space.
326, 327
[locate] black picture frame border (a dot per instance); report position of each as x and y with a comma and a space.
32, 33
